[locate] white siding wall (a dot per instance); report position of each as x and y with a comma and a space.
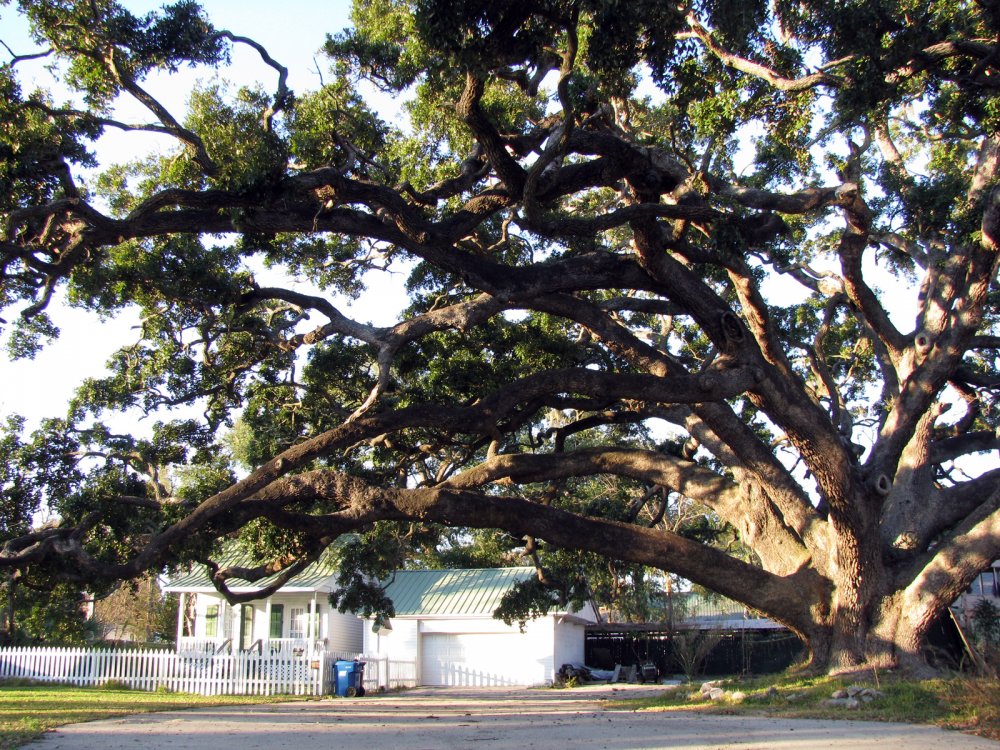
371, 643
540, 670
406, 637
375, 644
343, 631
568, 644
587, 612
398, 643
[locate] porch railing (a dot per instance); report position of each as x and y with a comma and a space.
295, 646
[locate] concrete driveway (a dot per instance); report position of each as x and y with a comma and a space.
498, 718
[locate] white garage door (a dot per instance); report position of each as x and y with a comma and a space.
474, 659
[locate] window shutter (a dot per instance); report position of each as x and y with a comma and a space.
277, 620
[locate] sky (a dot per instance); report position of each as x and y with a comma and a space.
292, 32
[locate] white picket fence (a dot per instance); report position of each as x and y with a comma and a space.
246, 673
388, 674
241, 673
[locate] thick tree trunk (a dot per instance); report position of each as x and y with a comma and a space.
837, 648
858, 575
899, 638
892, 636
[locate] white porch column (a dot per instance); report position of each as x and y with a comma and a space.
181, 605
311, 635
266, 635
235, 620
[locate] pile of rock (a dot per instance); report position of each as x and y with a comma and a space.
849, 698
713, 692
852, 697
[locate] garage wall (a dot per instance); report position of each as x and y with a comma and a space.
485, 652
569, 642
479, 651
398, 643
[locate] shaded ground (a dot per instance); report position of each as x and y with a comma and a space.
500, 718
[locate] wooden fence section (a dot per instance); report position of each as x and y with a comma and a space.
245, 673
386, 674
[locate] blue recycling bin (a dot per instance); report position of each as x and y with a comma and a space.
348, 678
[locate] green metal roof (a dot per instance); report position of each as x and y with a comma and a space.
696, 604
452, 592
316, 577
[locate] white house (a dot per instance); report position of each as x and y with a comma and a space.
444, 621
297, 618
985, 586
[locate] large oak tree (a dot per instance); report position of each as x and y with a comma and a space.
738, 253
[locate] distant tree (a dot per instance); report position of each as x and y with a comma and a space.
691, 648
35, 606
768, 287
54, 613
136, 611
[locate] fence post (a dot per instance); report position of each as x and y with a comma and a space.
91, 674
321, 675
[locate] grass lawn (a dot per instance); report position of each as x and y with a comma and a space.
966, 704
28, 710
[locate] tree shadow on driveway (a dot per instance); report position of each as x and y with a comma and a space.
500, 718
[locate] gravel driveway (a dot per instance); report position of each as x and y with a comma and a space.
498, 718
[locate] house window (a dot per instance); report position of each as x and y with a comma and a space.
297, 624
979, 585
989, 581
211, 620
246, 627
277, 620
